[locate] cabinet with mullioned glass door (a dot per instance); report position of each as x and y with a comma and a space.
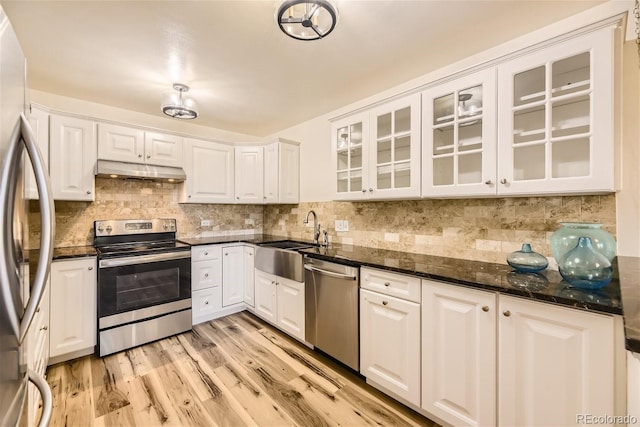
459, 136
556, 115
377, 152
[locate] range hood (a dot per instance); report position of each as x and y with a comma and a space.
112, 169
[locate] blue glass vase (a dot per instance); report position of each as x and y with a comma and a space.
584, 267
566, 238
526, 260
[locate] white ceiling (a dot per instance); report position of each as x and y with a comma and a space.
244, 72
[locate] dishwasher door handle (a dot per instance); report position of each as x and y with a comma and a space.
330, 273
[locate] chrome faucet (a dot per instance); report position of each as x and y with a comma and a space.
316, 226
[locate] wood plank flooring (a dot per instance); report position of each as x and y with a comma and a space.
234, 371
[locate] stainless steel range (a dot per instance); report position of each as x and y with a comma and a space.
144, 283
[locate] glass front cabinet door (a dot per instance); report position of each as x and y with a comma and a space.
459, 137
349, 141
555, 112
376, 153
394, 153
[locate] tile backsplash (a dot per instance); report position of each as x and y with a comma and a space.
127, 199
474, 229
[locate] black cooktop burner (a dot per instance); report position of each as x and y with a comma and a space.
141, 248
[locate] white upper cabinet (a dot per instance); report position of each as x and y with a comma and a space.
459, 136
350, 143
39, 121
281, 172
209, 169
120, 143
249, 172
556, 123
127, 144
394, 166
376, 154
72, 158
163, 149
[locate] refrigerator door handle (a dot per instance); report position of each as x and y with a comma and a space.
9, 279
47, 234
47, 398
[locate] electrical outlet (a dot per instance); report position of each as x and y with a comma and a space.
205, 223
341, 225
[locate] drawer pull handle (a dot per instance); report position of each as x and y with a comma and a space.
385, 302
387, 284
485, 308
506, 313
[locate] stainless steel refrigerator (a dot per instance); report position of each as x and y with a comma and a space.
19, 297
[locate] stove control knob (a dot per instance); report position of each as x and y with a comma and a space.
109, 228
165, 225
100, 228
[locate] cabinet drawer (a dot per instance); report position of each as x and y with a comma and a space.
203, 253
393, 284
206, 274
205, 303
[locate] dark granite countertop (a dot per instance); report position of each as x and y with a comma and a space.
621, 296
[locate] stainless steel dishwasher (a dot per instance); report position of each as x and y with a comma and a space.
332, 309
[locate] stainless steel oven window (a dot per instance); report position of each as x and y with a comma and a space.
146, 288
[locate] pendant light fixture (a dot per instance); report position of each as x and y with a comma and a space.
307, 19
179, 106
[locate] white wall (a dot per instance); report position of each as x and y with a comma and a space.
106, 112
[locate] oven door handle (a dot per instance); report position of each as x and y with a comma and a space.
143, 259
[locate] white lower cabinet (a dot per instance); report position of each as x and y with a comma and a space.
493, 359
38, 352
280, 301
390, 343
556, 364
232, 275
249, 276
459, 354
73, 308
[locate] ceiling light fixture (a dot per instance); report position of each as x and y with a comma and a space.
179, 106
307, 19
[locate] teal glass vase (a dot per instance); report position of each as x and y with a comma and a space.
566, 238
526, 260
584, 267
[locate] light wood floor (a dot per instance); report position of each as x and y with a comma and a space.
233, 371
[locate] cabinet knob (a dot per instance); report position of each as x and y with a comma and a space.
273, 282
88, 191
189, 196
503, 181
364, 190
206, 275
237, 198
148, 156
90, 268
38, 310
370, 190
44, 328
387, 284
488, 182
226, 254
385, 302
485, 308
506, 313
206, 302
139, 156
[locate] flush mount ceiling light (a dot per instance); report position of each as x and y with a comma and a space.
307, 19
179, 106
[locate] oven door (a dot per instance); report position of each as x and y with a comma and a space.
133, 283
